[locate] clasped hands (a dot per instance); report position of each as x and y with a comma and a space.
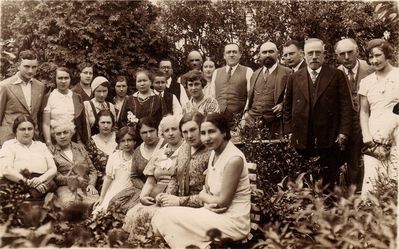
37, 183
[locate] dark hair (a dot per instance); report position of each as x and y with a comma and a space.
145, 71
194, 75
27, 55
125, 130
105, 113
148, 121
83, 65
385, 47
63, 69
159, 73
220, 121
121, 78
20, 119
191, 116
293, 42
104, 84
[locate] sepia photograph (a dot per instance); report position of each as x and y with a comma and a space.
199, 124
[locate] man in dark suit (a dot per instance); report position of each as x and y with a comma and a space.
172, 86
293, 55
347, 53
265, 101
318, 112
20, 94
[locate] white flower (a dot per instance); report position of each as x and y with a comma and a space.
132, 118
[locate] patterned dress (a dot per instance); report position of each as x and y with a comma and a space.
207, 104
99, 153
162, 167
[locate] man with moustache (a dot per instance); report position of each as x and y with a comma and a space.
318, 113
347, 53
86, 76
231, 83
21, 94
172, 86
265, 101
194, 62
293, 55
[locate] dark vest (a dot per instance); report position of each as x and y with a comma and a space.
263, 100
174, 88
167, 103
231, 95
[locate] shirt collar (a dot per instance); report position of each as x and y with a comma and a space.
317, 70
270, 69
233, 68
168, 82
69, 94
19, 80
136, 94
158, 93
354, 69
297, 66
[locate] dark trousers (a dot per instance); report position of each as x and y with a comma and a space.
353, 157
329, 162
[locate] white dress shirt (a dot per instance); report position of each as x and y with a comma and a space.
183, 94
176, 107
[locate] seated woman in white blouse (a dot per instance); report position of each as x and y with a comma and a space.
27, 161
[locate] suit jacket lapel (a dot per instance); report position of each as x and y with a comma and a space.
324, 80
256, 76
302, 81
36, 96
17, 91
77, 105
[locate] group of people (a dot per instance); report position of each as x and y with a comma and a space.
168, 144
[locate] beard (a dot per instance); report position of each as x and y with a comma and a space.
268, 62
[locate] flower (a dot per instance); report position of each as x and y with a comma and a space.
132, 118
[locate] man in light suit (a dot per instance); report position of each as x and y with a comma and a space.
318, 112
347, 53
230, 84
293, 55
20, 94
265, 101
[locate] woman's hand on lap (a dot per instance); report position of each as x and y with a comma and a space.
147, 200
167, 200
91, 189
214, 208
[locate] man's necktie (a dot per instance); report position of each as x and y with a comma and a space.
229, 73
314, 76
265, 74
352, 84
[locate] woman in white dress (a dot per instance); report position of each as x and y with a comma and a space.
117, 171
379, 92
226, 195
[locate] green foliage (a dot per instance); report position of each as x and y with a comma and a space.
116, 36
309, 219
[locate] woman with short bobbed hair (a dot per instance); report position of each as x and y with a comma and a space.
99, 87
24, 154
199, 101
76, 177
379, 92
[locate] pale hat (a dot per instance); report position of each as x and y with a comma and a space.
97, 82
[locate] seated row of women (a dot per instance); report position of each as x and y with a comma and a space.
182, 187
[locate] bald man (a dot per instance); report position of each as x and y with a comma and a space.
267, 85
194, 61
347, 53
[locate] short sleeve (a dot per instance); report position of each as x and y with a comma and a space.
363, 87
6, 157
